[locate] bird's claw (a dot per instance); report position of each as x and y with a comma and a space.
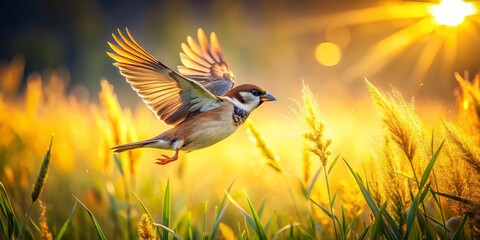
166, 159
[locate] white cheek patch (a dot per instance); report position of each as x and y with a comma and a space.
251, 101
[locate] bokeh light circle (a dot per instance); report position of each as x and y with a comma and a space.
328, 54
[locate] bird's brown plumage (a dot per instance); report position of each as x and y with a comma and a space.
168, 94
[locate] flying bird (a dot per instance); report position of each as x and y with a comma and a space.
199, 100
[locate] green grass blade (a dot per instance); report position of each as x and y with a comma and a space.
167, 231
453, 197
334, 198
429, 167
412, 213
248, 218
364, 233
378, 225
205, 209
459, 230
351, 225
99, 230
424, 224
65, 224
371, 203
306, 234
223, 207
13, 226
118, 162
266, 226
145, 209
258, 224
344, 226
166, 211
284, 228
312, 183
35, 226
393, 229
322, 208
261, 208
333, 164
143, 205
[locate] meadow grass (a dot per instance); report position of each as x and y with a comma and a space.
415, 184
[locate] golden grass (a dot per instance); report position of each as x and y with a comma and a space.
315, 138
270, 157
146, 229
84, 163
45, 233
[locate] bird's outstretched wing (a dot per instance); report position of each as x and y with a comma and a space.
205, 63
168, 94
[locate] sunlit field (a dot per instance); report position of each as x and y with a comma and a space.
348, 151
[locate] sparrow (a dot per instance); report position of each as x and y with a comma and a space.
199, 100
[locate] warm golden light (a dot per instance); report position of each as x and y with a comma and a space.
452, 12
328, 54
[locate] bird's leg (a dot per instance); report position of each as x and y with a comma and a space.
166, 159
176, 145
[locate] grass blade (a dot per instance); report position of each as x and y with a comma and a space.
333, 164
248, 218
364, 233
322, 208
429, 167
284, 228
167, 231
453, 197
118, 162
312, 183
378, 225
99, 230
65, 224
258, 224
226, 231
223, 207
146, 211
334, 197
261, 208
412, 212
459, 230
306, 234
392, 229
166, 211
35, 226
13, 226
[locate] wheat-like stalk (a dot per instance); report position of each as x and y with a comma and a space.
44, 232
146, 229
399, 118
315, 135
42, 175
467, 149
39, 184
271, 158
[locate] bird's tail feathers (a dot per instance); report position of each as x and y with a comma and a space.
155, 143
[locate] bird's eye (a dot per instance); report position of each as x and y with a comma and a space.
255, 92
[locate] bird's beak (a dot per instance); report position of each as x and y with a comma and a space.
267, 97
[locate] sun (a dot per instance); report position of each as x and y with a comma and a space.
452, 12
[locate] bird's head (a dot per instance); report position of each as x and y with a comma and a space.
248, 96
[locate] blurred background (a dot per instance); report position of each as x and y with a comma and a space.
332, 46
392, 42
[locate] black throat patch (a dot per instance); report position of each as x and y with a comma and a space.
239, 116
